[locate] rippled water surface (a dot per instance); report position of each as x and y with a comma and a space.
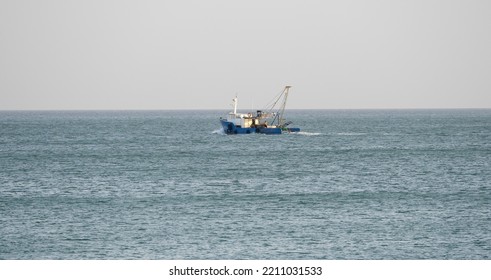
355, 184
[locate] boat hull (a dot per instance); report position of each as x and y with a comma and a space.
231, 128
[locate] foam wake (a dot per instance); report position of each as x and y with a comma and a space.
219, 131
350, 133
307, 133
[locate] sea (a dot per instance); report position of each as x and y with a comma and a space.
167, 185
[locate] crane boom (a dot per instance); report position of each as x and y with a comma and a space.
281, 120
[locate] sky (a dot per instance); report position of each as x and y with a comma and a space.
191, 54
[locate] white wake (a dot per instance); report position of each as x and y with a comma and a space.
219, 131
307, 133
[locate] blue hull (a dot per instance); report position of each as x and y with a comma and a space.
231, 128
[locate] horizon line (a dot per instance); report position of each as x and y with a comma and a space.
293, 109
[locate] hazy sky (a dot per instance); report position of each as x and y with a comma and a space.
62, 54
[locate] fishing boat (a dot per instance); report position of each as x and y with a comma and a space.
269, 121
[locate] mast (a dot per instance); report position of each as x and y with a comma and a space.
235, 105
281, 121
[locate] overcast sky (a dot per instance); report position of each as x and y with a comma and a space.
62, 54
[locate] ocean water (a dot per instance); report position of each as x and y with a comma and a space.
354, 184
